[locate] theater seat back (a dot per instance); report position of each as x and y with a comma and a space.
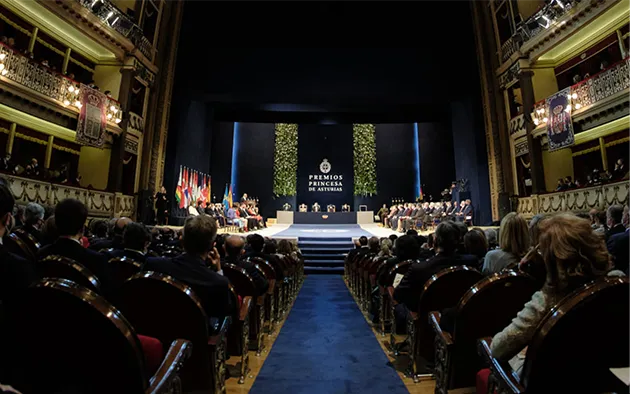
484, 310
442, 290
66, 337
580, 339
161, 307
54, 266
123, 268
240, 279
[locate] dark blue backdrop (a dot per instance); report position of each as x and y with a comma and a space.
319, 142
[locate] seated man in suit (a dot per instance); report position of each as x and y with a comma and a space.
618, 247
115, 239
345, 208
16, 273
233, 217
316, 207
303, 208
199, 267
417, 218
331, 208
34, 220
408, 292
234, 250
70, 218
411, 211
136, 241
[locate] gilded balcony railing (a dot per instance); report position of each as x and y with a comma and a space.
544, 18
590, 91
20, 69
120, 22
510, 46
575, 200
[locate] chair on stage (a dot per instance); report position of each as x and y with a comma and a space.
485, 309
331, 208
574, 346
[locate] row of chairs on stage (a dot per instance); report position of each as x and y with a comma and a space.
583, 336
151, 336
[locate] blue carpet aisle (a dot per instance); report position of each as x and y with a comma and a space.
326, 346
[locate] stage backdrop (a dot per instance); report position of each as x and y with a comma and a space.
325, 165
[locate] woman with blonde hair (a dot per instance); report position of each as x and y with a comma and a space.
573, 255
513, 244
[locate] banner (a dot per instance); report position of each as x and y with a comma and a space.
92, 117
559, 124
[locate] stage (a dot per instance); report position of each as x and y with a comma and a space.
325, 218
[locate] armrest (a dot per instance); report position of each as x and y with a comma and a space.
502, 371
434, 320
245, 307
166, 375
272, 285
390, 293
216, 336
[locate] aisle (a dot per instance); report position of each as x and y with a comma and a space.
326, 346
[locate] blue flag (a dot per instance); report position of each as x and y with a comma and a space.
226, 201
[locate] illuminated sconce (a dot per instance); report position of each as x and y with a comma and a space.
545, 120
109, 116
3, 56
66, 102
536, 121
1, 66
113, 108
568, 108
118, 120
578, 106
78, 104
574, 96
71, 89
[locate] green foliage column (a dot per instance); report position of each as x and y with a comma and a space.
364, 159
285, 160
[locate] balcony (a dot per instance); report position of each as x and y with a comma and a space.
590, 93
120, 22
576, 200
63, 91
99, 203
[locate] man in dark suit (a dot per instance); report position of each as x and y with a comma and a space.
70, 218
234, 250
406, 248
16, 273
115, 241
136, 241
258, 247
410, 288
196, 267
34, 220
614, 217
619, 247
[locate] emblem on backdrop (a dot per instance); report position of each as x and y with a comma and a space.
325, 167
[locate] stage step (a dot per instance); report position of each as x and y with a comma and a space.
323, 270
324, 255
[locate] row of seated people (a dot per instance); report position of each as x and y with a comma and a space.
457, 313
415, 215
243, 216
125, 299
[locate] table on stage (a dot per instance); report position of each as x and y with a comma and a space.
290, 217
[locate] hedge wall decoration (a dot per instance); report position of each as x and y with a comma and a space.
285, 160
364, 159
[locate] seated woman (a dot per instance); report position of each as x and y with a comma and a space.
513, 244
573, 255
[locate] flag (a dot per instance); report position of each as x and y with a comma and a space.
226, 202
178, 189
230, 197
208, 188
421, 196
185, 187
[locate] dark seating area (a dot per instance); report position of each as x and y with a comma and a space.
462, 327
167, 321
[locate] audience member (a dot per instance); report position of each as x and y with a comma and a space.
234, 250
614, 217
406, 248
573, 255
619, 244
70, 217
620, 171
136, 241
16, 273
476, 244
49, 231
199, 267
513, 244
34, 220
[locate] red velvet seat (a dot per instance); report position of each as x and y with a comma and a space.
482, 380
153, 353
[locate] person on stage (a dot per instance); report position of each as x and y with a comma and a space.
316, 207
244, 198
382, 213
161, 206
